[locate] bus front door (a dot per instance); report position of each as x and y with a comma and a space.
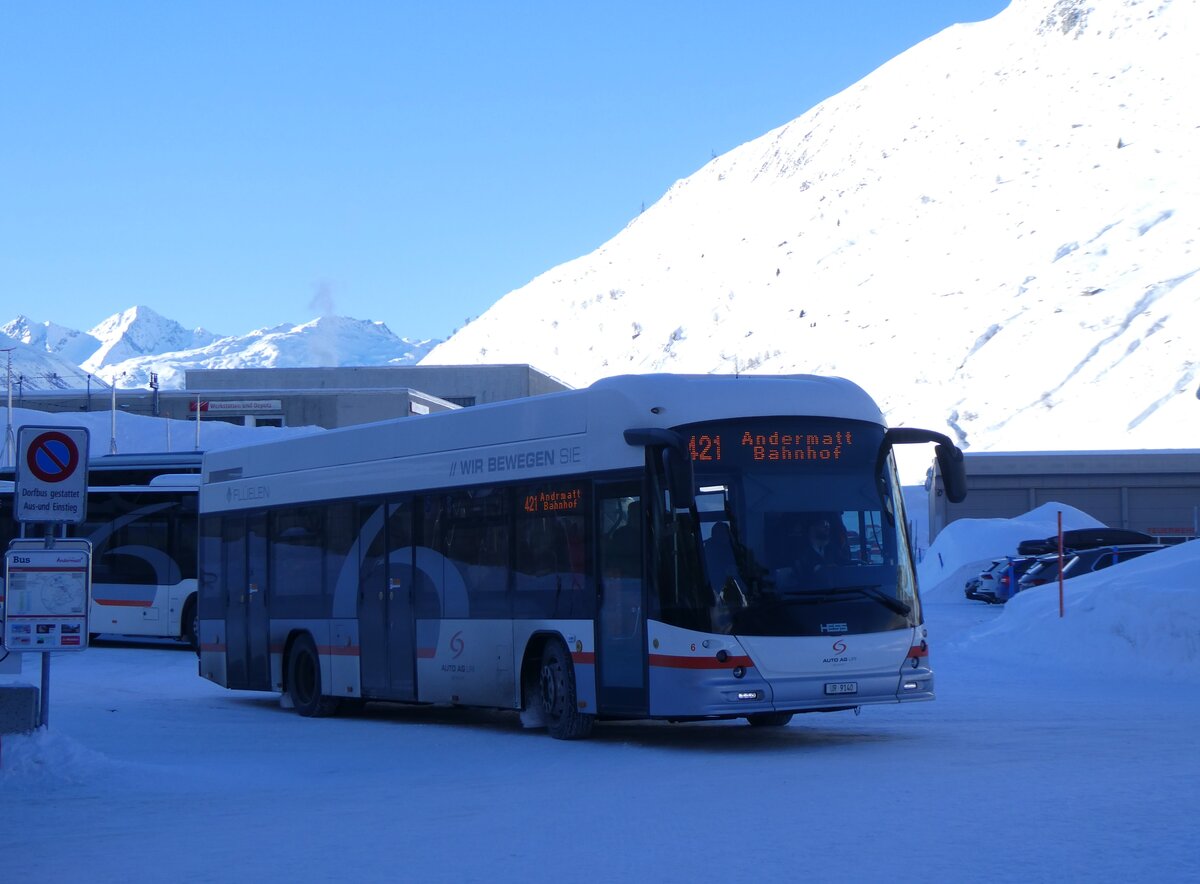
621, 620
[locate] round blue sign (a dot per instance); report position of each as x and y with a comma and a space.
53, 457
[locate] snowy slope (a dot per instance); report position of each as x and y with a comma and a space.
993, 231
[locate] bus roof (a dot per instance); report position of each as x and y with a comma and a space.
540, 436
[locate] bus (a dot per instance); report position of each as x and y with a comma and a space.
623, 551
141, 519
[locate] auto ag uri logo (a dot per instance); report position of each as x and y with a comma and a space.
457, 645
839, 647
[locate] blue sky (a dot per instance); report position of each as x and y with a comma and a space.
237, 165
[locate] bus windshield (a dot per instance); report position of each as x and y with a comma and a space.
801, 531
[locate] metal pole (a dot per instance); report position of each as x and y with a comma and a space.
112, 447
1060, 565
45, 710
45, 713
10, 440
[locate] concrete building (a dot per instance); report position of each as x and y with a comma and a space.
323, 397
1153, 491
462, 385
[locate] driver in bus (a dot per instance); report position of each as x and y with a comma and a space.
815, 545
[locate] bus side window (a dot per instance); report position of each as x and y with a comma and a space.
549, 571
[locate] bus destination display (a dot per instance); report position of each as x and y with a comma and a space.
772, 445
555, 500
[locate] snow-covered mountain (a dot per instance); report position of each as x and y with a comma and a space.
127, 347
139, 332
326, 341
995, 233
48, 337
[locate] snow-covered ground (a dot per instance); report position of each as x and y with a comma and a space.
1058, 749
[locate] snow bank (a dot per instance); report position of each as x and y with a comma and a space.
966, 546
46, 756
1141, 615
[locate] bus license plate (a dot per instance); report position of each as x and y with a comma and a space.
841, 687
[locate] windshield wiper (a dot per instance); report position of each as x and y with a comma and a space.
871, 592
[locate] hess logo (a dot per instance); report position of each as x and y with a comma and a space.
457, 645
839, 647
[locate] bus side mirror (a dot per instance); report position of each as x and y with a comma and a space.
954, 472
949, 457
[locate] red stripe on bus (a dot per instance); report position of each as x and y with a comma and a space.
338, 650
122, 603
668, 661
216, 647
584, 658
426, 653
332, 650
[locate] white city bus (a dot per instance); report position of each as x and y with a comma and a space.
141, 521
622, 551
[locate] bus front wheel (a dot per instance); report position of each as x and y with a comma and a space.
304, 680
560, 704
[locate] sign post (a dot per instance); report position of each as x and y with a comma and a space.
48, 582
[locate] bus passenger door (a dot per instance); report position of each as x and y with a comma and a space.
385, 618
258, 624
233, 575
621, 620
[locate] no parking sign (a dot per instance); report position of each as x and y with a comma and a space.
51, 480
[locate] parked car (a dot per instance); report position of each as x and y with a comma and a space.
999, 583
1083, 561
1084, 538
971, 587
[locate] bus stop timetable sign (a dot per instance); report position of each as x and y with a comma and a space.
48, 590
51, 475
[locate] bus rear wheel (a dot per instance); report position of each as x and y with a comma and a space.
769, 719
304, 680
560, 703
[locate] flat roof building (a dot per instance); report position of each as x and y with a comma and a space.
322, 397
1155, 491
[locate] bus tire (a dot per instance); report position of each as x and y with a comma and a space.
560, 704
304, 680
769, 719
189, 625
